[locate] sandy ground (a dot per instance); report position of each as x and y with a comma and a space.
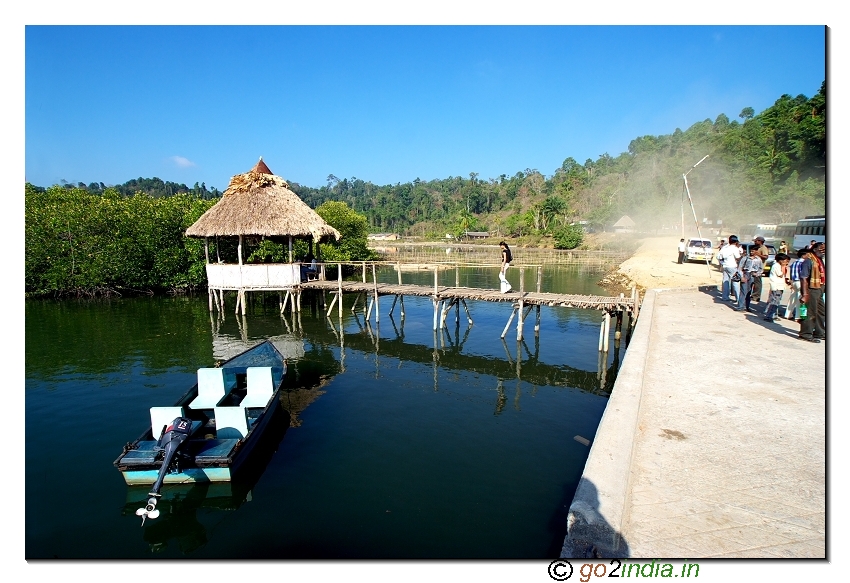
654, 266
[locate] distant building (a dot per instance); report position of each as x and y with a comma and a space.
624, 225
383, 237
476, 234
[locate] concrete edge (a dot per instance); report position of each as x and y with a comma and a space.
597, 511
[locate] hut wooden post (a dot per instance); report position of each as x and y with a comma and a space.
339, 290
364, 272
519, 321
290, 248
375, 284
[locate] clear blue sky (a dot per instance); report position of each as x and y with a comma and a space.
385, 104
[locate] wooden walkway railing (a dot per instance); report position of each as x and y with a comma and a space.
444, 298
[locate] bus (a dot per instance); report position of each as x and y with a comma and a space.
784, 232
747, 233
812, 228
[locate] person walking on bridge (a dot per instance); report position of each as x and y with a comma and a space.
507, 257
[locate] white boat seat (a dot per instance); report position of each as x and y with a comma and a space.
231, 422
162, 417
260, 386
212, 388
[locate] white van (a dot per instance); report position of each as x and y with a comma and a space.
699, 250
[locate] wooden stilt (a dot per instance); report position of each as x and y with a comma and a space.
447, 307
607, 321
210, 298
333, 301
392, 307
377, 305
369, 311
519, 322
402, 307
436, 309
339, 283
601, 334
468, 316
511, 319
537, 321
619, 325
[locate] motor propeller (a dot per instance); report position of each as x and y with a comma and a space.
172, 438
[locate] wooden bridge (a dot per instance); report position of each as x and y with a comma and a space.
444, 298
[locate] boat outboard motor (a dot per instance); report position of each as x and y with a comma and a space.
169, 442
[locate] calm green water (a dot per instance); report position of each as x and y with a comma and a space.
404, 444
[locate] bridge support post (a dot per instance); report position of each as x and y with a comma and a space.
520, 319
339, 286
511, 319
375, 285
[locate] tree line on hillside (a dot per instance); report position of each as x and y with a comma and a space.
154, 187
769, 167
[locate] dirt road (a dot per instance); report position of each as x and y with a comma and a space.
654, 266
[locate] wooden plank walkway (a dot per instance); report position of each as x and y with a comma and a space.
606, 303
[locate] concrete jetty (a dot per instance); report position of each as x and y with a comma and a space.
713, 443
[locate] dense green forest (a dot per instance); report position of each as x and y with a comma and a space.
79, 242
768, 167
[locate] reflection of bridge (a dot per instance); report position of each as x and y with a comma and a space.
447, 353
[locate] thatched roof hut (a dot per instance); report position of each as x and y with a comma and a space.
258, 203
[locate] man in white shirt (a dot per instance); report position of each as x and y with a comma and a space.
681, 251
728, 257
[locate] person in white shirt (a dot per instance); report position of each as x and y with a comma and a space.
681, 251
777, 286
728, 258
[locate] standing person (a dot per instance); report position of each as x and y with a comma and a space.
507, 257
783, 247
681, 251
717, 255
812, 288
777, 286
749, 268
761, 251
727, 258
793, 282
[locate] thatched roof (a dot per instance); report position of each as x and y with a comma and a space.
258, 203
